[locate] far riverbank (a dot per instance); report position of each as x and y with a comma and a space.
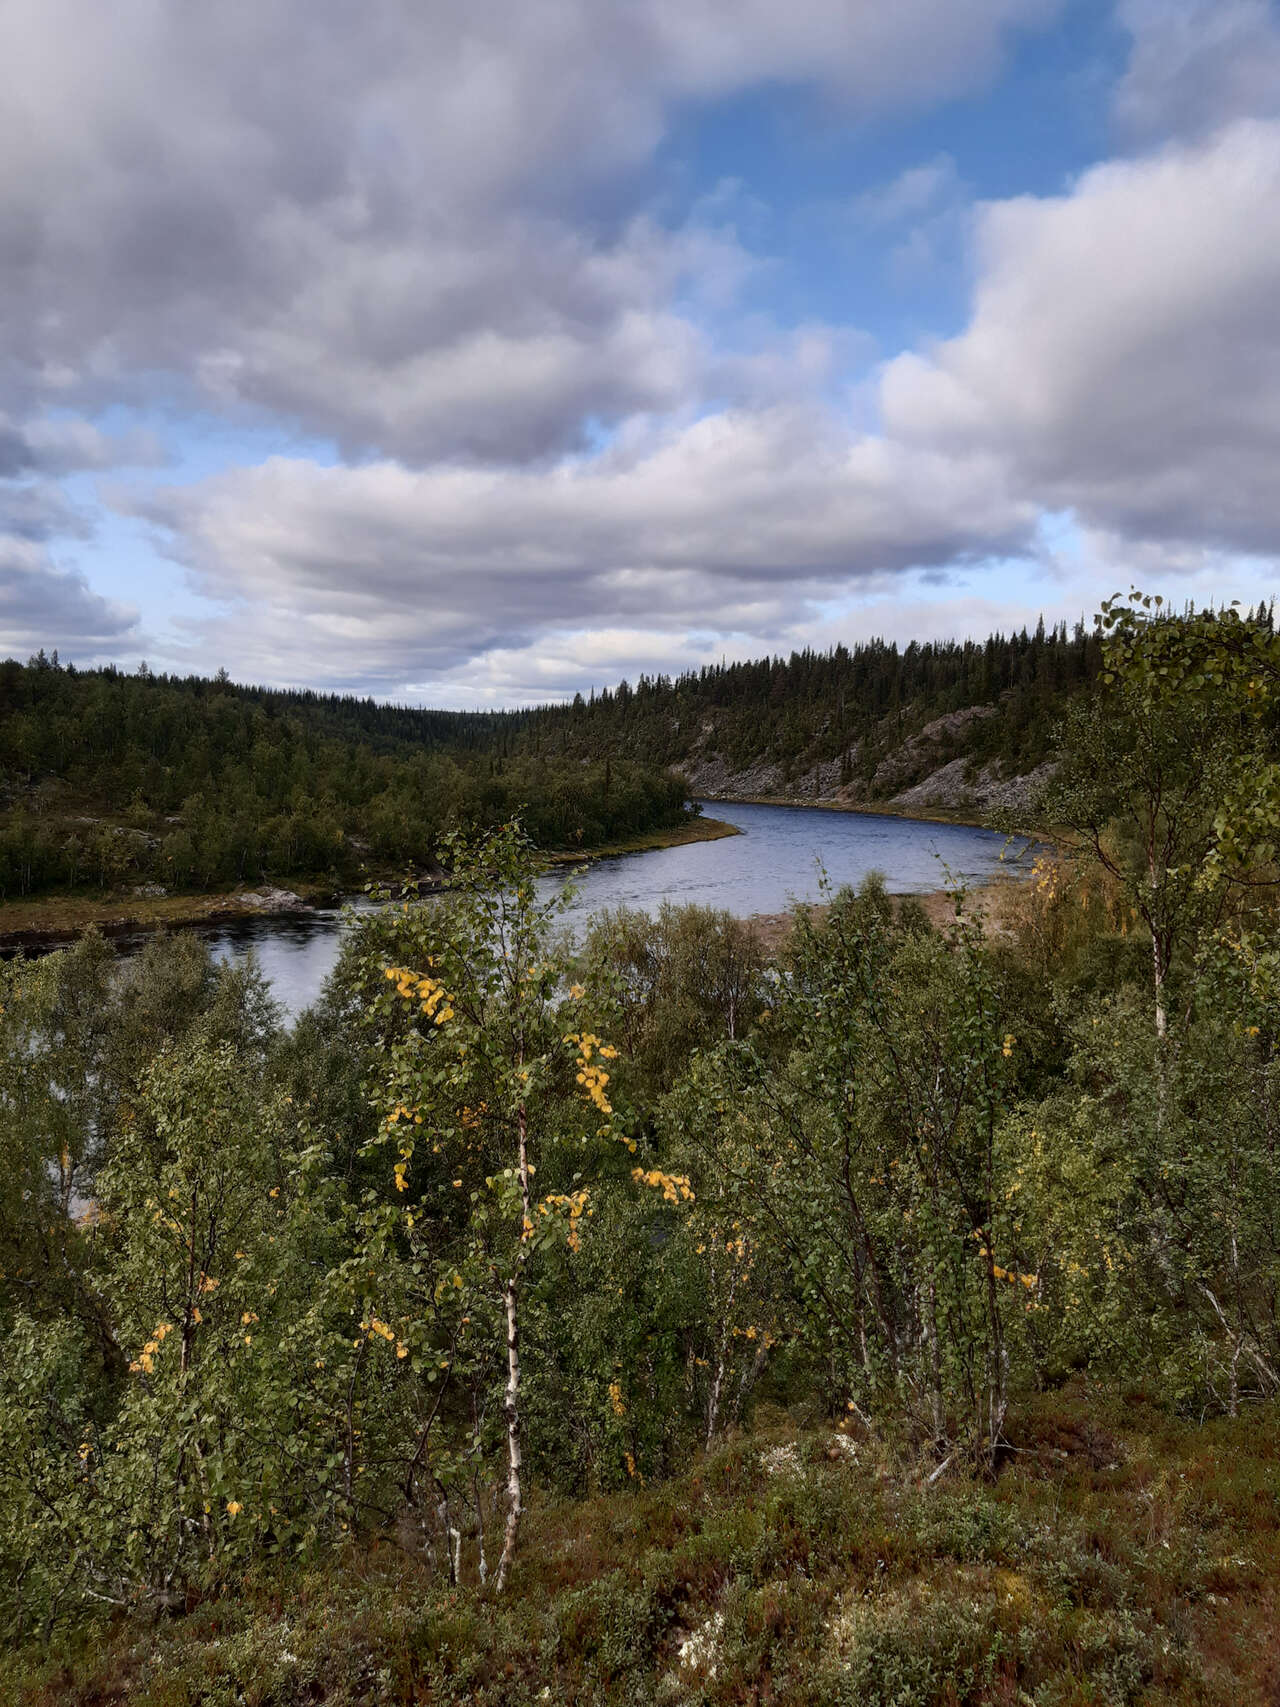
987, 902
48, 921
865, 809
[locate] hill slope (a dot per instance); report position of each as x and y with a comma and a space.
942, 724
1121, 1557
108, 780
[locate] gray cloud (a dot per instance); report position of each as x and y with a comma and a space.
54, 447
1197, 64
37, 510
736, 522
413, 229
15, 452
41, 605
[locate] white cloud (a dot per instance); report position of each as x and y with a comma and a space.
732, 522
1123, 353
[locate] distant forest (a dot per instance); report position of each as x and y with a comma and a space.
854, 704
110, 779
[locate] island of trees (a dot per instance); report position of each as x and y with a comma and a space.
892, 1317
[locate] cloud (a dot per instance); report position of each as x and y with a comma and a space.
1123, 353
1197, 64
418, 231
440, 245
38, 510
917, 191
55, 446
733, 522
1062, 578
563, 662
41, 605
15, 452
1121, 365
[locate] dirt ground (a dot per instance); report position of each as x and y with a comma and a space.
991, 904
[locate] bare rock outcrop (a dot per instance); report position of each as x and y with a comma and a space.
921, 752
953, 789
270, 900
713, 776
930, 770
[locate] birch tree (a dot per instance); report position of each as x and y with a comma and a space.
1168, 778
494, 1097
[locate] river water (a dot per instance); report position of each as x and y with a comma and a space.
779, 858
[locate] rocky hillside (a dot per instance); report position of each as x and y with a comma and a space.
935, 769
967, 727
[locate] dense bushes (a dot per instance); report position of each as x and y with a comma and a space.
260, 1287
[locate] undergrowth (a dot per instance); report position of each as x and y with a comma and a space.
1118, 1556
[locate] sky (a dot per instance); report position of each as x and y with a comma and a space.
478, 355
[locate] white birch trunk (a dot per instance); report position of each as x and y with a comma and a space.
511, 1405
511, 1402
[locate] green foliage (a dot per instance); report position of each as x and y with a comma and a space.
847, 710
856, 1144
176, 1416
672, 984
1152, 1201
781, 1264
1167, 778
111, 779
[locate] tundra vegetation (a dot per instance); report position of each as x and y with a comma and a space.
893, 1318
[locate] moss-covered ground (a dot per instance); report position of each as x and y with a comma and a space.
1118, 1555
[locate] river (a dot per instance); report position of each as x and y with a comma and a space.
778, 859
